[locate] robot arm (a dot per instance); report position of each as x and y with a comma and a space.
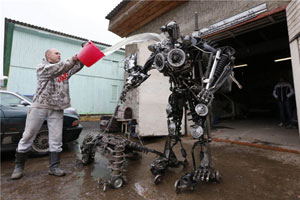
218, 72
136, 74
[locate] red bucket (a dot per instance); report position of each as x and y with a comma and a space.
89, 54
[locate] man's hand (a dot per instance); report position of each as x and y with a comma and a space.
74, 58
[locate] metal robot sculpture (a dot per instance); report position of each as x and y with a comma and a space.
196, 68
116, 149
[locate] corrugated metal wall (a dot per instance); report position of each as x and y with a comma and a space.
93, 90
293, 19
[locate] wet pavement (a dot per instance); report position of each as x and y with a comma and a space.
247, 173
263, 131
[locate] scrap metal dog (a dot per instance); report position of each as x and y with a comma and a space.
196, 68
116, 149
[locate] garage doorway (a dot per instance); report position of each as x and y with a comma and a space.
257, 48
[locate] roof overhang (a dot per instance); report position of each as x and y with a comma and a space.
260, 21
129, 16
30, 26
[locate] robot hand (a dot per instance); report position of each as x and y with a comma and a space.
135, 75
205, 96
135, 79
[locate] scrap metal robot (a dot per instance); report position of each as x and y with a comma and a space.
197, 68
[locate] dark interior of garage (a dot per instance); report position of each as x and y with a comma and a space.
258, 48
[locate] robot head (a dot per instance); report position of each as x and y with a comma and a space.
173, 30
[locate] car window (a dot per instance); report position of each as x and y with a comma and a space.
9, 99
29, 98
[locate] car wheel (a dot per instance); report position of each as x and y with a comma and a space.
40, 145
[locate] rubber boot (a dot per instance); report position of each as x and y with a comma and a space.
54, 161
20, 164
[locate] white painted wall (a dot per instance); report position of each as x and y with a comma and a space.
293, 22
153, 99
295, 54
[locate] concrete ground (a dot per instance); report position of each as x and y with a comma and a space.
247, 172
263, 132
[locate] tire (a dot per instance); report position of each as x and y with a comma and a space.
157, 179
176, 186
40, 145
118, 182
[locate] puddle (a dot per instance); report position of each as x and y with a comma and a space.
100, 169
100, 166
142, 191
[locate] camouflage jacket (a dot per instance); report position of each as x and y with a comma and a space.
53, 85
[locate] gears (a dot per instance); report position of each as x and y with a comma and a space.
201, 110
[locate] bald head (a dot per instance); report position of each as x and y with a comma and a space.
52, 55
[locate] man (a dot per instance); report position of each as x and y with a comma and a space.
283, 92
51, 98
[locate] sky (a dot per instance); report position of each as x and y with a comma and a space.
83, 18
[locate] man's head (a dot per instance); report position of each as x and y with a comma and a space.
52, 55
281, 79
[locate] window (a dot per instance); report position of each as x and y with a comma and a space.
9, 99
114, 93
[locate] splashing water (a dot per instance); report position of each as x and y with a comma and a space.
143, 37
142, 191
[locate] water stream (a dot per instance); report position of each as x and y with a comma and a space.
143, 37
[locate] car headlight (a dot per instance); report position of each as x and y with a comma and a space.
176, 58
75, 123
159, 62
